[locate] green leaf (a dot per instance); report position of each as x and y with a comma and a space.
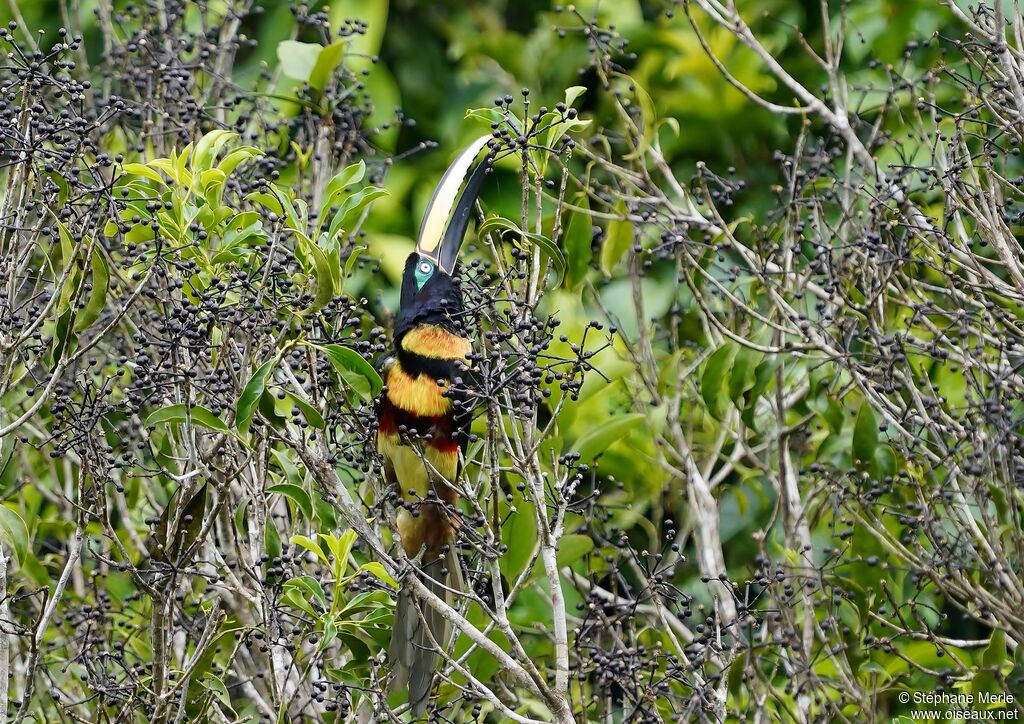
572, 93
995, 654
618, 240
297, 495
98, 295
307, 585
294, 598
604, 435
251, 395
327, 60
742, 377
519, 533
197, 414
884, 462
379, 572
353, 259
572, 548
547, 247
267, 201
298, 59
239, 155
312, 415
138, 169
493, 115
342, 180
340, 547
170, 545
321, 272
865, 433
347, 360
352, 207
578, 237
208, 147
14, 531
271, 538
764, 373
310, 545
713, 386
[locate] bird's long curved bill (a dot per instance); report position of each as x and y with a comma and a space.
442, 229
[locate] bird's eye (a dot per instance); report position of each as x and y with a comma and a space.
425, 267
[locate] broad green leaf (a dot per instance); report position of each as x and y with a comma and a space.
267, 201
348, 360
312, 415
606, 434
208, 147
353, 259
379, 572
139, 169
326, 61
493, 115
351, 207
297, 495
239, 155
548, 248
713, 382
572, 548
98, 295
995, 655
336, 187
764, 373
617, 241
294, 598
742, 376
251, 394
14, 532
340, 547
519, 533
307, 585
198, 415
572, 93
884, 462
579, 235
271, 539
322, 273
865, 433
310, 545
298, 59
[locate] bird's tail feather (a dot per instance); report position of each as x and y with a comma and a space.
420, 632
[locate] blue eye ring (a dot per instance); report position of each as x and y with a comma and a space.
424, 270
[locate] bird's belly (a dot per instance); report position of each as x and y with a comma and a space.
411, 470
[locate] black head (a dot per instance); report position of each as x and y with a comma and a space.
430, 295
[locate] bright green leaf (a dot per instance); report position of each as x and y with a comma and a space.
578, 238
606, 434
713, 382
298, 59
198, 415
14, 531
251, 394
617, 241
297, 495
98, 295
865, 433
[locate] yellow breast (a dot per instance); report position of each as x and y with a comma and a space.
430, 340
420, 395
